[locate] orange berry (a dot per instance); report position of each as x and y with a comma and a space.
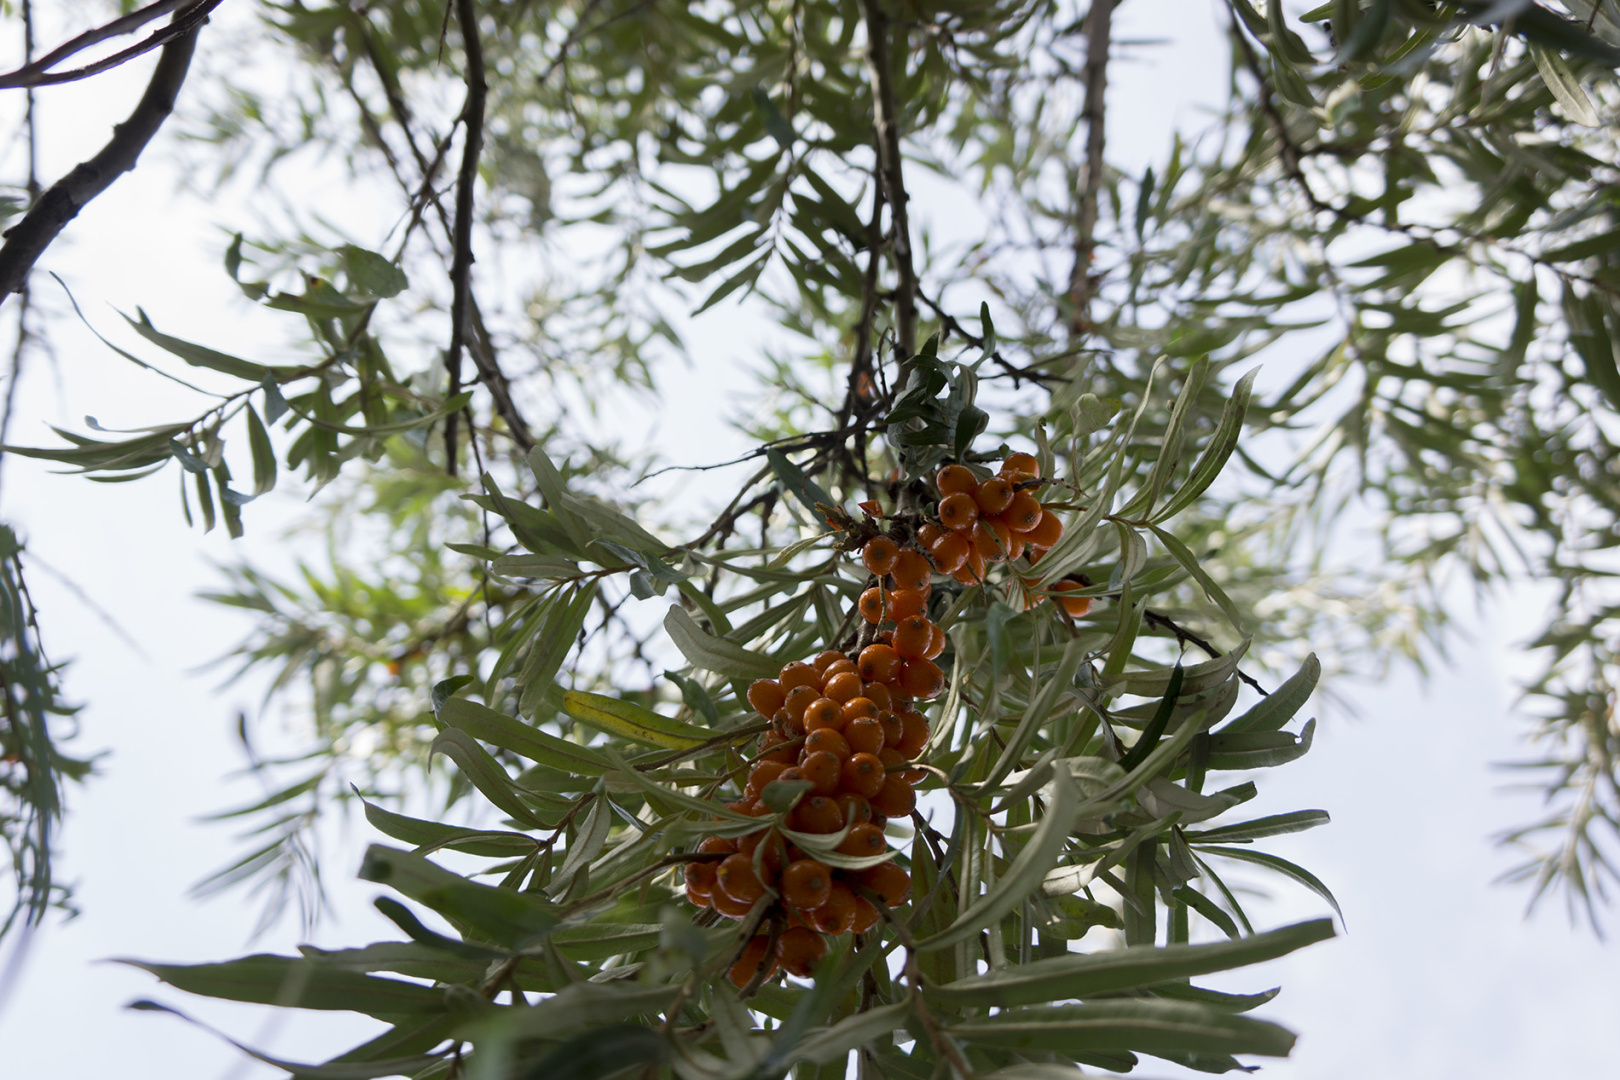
817, 814
797, 674
972, 572
911, 570
889, 881
958, 511
866, 916
774, 848
823, 712
922, 678
857, 811
844, 687
857, 709
895, 798
879, 554
1076, 606
823, 659
873, 605
893, 728
737, 879
1023, 513
827, 740
798, 702
1015, 541
822, 769
950, 552
904, 603
725, 905
879, 663
800, 951
892, 758
878, 693
913, 735
991, 538
837, 668
936, 644
766, 696
764, 772
700, 879
912, 636
696, 897
714, 845
1047, 531
994, 495
776, 746
1020, 466
955, 478
806, 884
864, 735
863, 841
928, 532
837, 915
862, 774
754, 956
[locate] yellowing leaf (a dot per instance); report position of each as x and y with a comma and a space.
631, 721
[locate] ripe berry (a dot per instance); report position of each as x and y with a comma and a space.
843, 687
858, 709
866, 916
797, 674
779, 746
817, 814
936, 645
949, 552
800, 950
879, 663
879, 554
889, 881
737, 879
700, 880
1047, 531
696, 897
913, 735
806, 884
972, 572
827, 740
1020, 467
766, 696
912, 636
991, 539
857, 811
928, 532
837, 668
863, 841
837, 915
911, 570
895, 798
862, 774
955, 478
1024, 513
715, 845
904, 603
993, 496
797, 702
822, 769
763, 772
958, 511
754, 957
825, 658
893, 731
823, 712
864, 735
873, 605
1076, 606
725, 905
922, 678
878, 693
772, 848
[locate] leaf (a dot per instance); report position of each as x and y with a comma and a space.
1216, 451
201, 355
1079, 975
1563, 84
1258, 749
1156, 726
630, 721
719, 655
485, 774
296, 983
1282, 866
1189, 562
373, 274
797, 484
1272, 712
264, 455
526, 740
1260, 828
504, 916
435, 834
864, 1028
1169, 456
1146, 1026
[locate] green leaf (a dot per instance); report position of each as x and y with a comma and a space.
719, 655
1563, 84
1272, 712
503, 916
526, 740
485, 774
1147, 1026
1155, 728
1260, 828
1258, 749
1189, 562
292, 982
1079, 975
1281, 866
373, 274
434, 834
201, 355
797, 484
1216, 451
264, 455
630, 721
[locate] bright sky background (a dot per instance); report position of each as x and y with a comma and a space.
1438, 976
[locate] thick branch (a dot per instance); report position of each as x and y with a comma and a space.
461, 263
886, 118
1098, 28
27, 240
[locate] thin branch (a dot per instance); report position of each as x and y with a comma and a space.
886, 120
38, 74
472, 115
27, 240
1098, 28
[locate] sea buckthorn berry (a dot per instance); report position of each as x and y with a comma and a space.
823, 712
972, 572
858, 709
1076, 606
763, 772
936, 644
837, 915
1021, 466
791, 773
863, 841
895, 798
878, 693
955, 478
700, 879
800, 951
1047, 531
822, 769
889, 881
928, 532
904, 603
714, 845
958, 511
892, 758
844, 687
857, 811
994, 495
797, 674
991, 538
912, 636
862, 774
737, 879
825, 658
879, 554
866, 916
827, 740
1015, 543
1034, 552
922, 678
879, 663
816, 814
784, 725
893, 730
755, 955
911, 570
884, 637
837, 668
772, 848
1023, 513
776, 746
806, 884
914, 735
749, 805
766, 696
949, 552
797, 701
873, 605
696, 897
725, 905
864, 735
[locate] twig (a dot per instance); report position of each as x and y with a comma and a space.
37, 72
886, 121
1187, 637
1098, 26
472, 115
27, 240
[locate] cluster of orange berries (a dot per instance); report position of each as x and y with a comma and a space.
846, 726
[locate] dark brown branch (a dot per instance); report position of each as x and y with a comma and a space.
37, 73
1099, 22
472, 115
886, 119
1186, 637
27, 240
